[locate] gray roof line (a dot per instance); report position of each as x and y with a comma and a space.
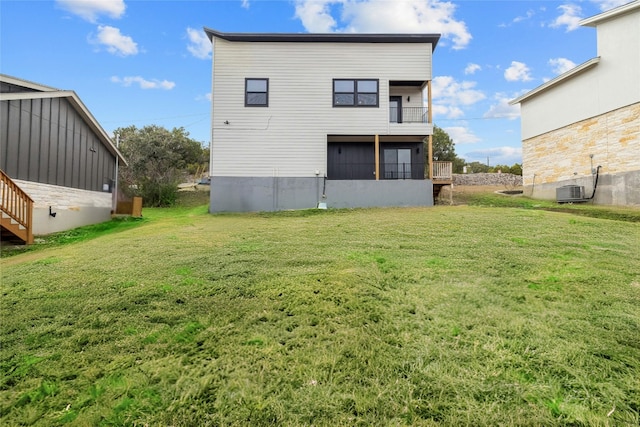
325, 37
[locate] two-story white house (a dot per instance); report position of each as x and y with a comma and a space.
304, 119
581, 130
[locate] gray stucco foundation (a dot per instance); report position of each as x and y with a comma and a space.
251, 194
621, 189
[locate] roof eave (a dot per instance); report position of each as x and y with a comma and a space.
26, 83
610, 14
325, 37
557, 80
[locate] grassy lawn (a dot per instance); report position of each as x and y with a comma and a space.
453, 315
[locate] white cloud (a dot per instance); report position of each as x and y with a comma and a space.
206, 97
528, 15
91, 9
472, 68
315, 15
609, 4
449, 96
245, 4
561, 65
448, 111
517, 72
569, 18
461, 135
383, 16
502, 110
143, 83
115, 42
447, 90
199, 44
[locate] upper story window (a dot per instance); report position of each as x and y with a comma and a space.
355, 93
256, 92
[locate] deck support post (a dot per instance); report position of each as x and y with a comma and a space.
376, 141
430, 120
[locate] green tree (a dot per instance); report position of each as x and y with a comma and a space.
444, 149
477, 167
516, 169
157, 160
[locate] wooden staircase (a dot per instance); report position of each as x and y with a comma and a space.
16, 216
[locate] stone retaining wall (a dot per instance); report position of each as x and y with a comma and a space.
505, 179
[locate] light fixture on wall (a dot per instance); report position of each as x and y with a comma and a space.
226, 122
409, 98
52, 214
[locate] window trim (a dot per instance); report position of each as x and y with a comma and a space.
247, 93
355, 93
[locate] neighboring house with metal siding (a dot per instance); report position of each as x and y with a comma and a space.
291, 109
55, 151
589, 117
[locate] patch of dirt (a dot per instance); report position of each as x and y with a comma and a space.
461, 193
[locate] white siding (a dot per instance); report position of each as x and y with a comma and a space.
612, 84
289, 137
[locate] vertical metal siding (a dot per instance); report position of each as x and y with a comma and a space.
24, 132
45, 132
69, 166
62, 141
47, 141
4, 118
52, 163
34, 141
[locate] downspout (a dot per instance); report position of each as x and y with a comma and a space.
595, 183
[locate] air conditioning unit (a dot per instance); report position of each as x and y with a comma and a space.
570, 193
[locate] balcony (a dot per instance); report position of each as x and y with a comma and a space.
409, 121
408, 115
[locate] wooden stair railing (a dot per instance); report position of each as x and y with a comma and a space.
17, 210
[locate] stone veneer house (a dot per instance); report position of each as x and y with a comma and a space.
303, 120
56, 152
585, 123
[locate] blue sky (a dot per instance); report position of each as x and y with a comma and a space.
142, 62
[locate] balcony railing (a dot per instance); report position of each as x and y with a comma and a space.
402, 170
366, 171
408, 115
442, 171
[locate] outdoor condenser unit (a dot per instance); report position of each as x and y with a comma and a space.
570, 193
